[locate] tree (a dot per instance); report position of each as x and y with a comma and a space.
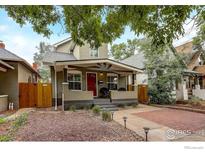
123, 50
103, 24
163, 70
43, 70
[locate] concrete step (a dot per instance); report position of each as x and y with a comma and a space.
108, 106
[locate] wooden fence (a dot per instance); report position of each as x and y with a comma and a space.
143, 94
35, 95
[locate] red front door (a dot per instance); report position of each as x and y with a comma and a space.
91, 83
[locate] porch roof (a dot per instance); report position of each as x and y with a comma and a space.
4, 66
103, 64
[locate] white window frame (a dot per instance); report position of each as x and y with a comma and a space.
115, 75
74, 73
92, 51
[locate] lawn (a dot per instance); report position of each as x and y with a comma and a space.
71, 126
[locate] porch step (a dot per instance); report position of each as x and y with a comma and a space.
108, 107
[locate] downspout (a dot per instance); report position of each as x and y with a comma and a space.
56, 101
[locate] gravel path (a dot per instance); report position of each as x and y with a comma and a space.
72, 126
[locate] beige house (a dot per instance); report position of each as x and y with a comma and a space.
13, 70
81, 75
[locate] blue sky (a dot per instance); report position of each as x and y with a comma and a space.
23, 40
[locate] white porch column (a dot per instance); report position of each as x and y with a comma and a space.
56, 101
63, 95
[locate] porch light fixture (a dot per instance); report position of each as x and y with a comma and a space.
101, 73
146, 130
125, 120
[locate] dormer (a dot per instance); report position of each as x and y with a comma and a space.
81, 52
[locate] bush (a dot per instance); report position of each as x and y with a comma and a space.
72, 108
20, 121
106, 116
96, 110
134, 105
87, 107
2, 120
5, 138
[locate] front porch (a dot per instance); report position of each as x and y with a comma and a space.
83, 81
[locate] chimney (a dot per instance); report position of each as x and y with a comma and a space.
2, 45
35, 66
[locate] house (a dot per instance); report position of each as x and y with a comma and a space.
195, 85
193, 76
13, 70
80, 75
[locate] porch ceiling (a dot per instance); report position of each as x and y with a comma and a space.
4, 66
105, 65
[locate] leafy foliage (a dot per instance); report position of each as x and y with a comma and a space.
96, 110
72, 108
2, 120
5, 138
123, 50
20, 121
163, 69
103, 24
43, 70
106, 116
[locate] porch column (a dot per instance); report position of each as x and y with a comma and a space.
197, 83
56, 101
65, 75
65, 82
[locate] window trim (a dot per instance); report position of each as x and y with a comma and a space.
74, 73
115, 75
97, 53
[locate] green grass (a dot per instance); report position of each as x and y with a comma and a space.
2, 120
5, 138
20, 121
106, 116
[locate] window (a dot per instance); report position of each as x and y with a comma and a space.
75, 81
112, 82
94, 53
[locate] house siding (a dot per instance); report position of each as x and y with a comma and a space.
9, 84
82, 52
24, 74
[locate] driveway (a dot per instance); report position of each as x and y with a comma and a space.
165, 124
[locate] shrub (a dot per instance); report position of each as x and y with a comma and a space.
96, 110
2, 120
72, 108
106, 116
5, 138
20, 121
134, 105
87, 107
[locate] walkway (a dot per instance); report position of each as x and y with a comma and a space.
163, 123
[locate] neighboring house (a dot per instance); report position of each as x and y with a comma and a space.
195, 85
193, 77
83, 74
13, 70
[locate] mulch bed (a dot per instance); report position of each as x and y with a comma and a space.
176, 119
193, 105
72, 126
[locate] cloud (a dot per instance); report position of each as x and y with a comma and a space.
3, 28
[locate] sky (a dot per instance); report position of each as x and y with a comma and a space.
23, 40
